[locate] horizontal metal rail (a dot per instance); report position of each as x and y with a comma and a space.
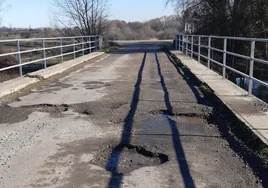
40, 39
77, 44
231, 38
183, 41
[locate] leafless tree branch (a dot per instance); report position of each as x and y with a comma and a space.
85, 16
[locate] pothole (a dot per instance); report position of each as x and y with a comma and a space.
94, 85
117, 105
185, 118
125, 158
48, 107
170, 113
87, 112
23, 112
117, 121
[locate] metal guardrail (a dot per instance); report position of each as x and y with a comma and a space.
85, 43
184, 42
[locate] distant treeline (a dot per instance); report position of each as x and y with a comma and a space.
160, 28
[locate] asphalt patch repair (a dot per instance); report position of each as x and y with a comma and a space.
95, 85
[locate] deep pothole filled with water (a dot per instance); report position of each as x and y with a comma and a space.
125, 158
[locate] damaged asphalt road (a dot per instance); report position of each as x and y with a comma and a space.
131, 119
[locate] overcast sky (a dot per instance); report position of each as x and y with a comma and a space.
35, 13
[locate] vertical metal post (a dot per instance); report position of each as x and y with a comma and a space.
100, 42
181, 39
61, 50
192, 47
209, 51
74, 48
187, 45
179, 42
82, 40
95, 48
19, 57
44, 53
92, 43
176, 42
199, 49
224, 58
251, 67
182, 36
89, 44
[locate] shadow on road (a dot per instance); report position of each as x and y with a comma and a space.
181, 158
181, 135
139, 48
189, 81
114, 158
230, 128
116, 177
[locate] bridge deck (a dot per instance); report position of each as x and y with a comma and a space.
129, 119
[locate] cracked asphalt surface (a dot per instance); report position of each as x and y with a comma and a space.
130, 119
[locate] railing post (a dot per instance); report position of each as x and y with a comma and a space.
192, 47
182, 36
19, 57
199, 49
186, 45
95, 49
44, 53
209, 51
179, 42
89, 44
100, 42
74, 48
224, 58
176, 42
251, 67
82, 40
61, 50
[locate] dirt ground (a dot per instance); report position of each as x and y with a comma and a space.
130, 119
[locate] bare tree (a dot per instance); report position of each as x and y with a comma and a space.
225, 17
246, 18
3, 9
87, 17
184, 9
181, 5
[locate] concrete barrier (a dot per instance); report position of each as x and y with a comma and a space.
247, 108
15, 85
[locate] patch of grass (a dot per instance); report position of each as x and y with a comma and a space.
264, 152
35, 76
114, 44
165, 46
111, 47
205, 90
